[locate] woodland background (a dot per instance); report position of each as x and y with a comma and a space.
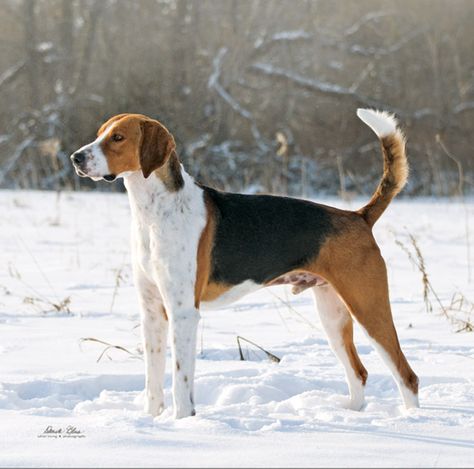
259, 94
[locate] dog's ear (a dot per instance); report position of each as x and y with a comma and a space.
157, 144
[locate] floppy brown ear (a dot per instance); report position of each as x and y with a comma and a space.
156, 146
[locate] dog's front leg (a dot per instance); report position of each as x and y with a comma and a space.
175, 274
184, 324
155, 333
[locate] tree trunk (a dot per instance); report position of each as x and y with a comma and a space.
32, 60
66, 34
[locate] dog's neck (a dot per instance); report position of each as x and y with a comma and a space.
161, 187
171, 173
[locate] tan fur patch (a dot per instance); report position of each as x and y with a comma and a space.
214, 290
163, 312
135, 142
122, 155
204, 253
395, 174
352, 263
348, 338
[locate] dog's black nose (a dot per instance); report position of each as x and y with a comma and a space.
78, 157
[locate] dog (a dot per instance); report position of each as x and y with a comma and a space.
194, 247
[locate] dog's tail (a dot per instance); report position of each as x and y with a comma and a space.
395, 171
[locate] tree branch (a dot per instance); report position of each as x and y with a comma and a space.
10, 74
311, 84
213, 83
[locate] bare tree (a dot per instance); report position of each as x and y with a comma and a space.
234, 79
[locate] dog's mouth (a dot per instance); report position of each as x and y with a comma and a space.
79, 172
82, 174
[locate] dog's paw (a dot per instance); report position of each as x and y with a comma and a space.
154, 406
181, 412
356, 404
353, 403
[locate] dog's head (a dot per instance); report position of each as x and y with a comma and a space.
124, 144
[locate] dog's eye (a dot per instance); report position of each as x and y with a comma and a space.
117, 137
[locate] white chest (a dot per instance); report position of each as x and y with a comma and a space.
166, 228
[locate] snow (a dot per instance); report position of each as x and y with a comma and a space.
249, 413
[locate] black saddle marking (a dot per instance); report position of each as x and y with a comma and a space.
260, 237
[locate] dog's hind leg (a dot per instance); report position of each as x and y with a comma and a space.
360, 278
337, 323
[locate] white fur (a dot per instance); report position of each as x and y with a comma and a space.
334, 316
231, 295
155, 334
166, 228
96, 163
381, 122
410, 399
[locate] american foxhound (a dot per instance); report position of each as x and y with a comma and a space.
196, 247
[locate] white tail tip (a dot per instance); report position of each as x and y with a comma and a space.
381, 122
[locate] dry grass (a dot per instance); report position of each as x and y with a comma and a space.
119, 279
45, 305
460, 305
418, 261
292, 310
56, 220
269, 355
108, 347
459, 311
41, 302
459, 191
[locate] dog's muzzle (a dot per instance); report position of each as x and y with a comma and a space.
78, 160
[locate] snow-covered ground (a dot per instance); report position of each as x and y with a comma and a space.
249, 413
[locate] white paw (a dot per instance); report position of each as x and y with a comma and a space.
412, 403
182, 411
355, 404
154, 406
352, 403
410, 399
